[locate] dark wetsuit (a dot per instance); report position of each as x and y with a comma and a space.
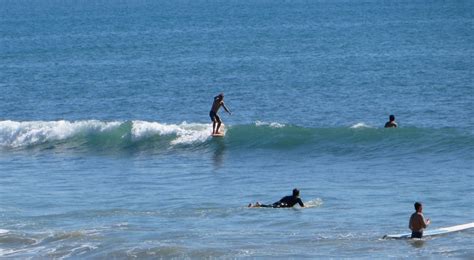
390, 124
285, 202
214, 117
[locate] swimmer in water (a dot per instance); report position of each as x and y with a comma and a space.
391, 123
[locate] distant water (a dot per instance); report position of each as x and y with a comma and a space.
104, 130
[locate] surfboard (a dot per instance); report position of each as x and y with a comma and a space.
433, 232
221, 132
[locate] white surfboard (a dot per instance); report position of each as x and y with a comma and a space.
433, 232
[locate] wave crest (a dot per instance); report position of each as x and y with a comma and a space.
185, 133
143, 135
32, 133
17, 134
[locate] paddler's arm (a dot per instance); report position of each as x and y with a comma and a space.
300, 202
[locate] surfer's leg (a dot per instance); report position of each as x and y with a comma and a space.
265, 205
276, 205
416, 234
219, 122
212, 115
256, 205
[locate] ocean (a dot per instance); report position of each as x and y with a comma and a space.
105, 147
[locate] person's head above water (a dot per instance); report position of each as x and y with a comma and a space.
220, 96
391, 118
296, 192
418, 206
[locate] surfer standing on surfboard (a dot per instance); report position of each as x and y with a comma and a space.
216, 120
417, 222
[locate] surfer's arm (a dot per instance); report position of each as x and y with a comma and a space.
300, 202
226, 109
421, 219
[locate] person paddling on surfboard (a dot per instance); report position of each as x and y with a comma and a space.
417, 221
216, 120
285, 202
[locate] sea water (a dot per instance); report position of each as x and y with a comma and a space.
105, 147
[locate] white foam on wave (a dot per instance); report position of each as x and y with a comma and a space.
271, 124
17, 134
4, 231
360, 125
186, 133
313, 203
6, 252
74, 250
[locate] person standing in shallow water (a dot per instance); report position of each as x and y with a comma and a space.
391, 123
285, 202
417, 221
216, 120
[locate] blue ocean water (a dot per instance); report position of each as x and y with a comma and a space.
104, 130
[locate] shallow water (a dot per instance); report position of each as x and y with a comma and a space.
104, 131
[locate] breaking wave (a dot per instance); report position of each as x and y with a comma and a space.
144, 135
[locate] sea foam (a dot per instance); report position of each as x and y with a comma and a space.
17, 134
185, 133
